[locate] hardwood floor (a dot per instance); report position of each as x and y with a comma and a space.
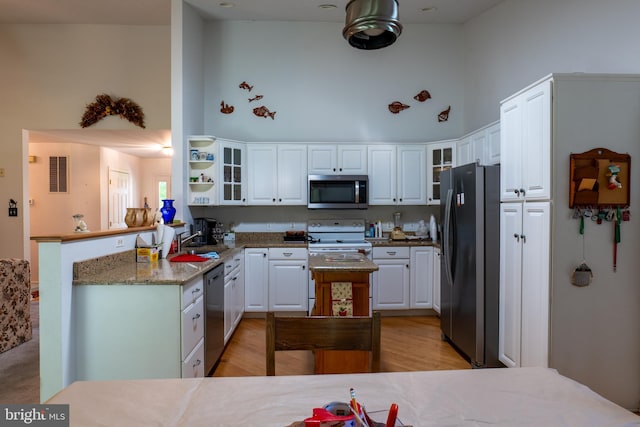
408, 344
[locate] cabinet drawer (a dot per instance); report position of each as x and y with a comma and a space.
232, 263
391, 252
193, 364
287, 253
192, 326
191, 291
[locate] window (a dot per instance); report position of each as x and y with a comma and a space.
58, 174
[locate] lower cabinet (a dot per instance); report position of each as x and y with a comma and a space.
139, 331
390, 284
256, 279
233, 293
436, 279
288, 279
422, 263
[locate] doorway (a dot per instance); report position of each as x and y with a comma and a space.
119, 196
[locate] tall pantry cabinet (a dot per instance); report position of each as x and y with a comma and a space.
588, 333
525, 179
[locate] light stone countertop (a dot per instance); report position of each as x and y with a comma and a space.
341, 262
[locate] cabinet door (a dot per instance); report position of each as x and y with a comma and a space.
478, 144
464, 151
382, 174
233, 173
228, 309
535, 284
436, 279
352, 159
292, 174
288, 285
536, 142
440, 157
412, 174
510, 150
322, 159
510, 307
492, 149
262, 161
421, 282
256, 279
238, 290
390, 284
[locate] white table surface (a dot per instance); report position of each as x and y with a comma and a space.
480, 397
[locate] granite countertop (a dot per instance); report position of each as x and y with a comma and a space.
122, 269
406, 242
341, 262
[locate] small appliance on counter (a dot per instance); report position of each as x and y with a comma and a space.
208, 228
295, 236
397, 233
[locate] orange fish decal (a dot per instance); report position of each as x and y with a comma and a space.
256, 98
396, 106
226, 108
263, 111
422, 96
245, 85
444, 115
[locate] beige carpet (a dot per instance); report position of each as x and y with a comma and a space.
20, 367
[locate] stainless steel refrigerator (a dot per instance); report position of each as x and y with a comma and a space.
470, 262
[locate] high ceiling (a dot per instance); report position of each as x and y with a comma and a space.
158, 12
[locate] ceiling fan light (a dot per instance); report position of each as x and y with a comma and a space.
372, 24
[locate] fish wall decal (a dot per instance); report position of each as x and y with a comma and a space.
245, 85
444, 115
397, 106
256, 98
226, 108
263, 111
422, 96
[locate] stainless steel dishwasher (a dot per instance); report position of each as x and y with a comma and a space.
214, 326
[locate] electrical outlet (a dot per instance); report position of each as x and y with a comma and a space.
119, 243
13, 211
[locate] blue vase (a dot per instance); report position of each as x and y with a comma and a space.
168, 211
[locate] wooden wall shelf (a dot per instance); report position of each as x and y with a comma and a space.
599, 178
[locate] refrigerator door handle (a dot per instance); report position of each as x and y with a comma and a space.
446, 248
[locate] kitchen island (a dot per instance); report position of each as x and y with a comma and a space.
339, 270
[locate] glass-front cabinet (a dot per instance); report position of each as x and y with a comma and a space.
440, 157
233, 173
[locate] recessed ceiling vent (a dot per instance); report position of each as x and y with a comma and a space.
372, 24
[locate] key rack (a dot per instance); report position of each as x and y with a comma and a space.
599, 178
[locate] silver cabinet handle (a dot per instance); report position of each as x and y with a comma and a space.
392, 253
197, 363
196, 317
287, 254
195, 291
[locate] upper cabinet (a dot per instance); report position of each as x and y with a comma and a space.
481, 146
525, 144
397, 174
330, 159
440, 157
277, 174
232, 173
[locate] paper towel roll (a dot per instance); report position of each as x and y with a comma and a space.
168, 234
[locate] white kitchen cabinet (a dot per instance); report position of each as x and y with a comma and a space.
481, 146
288, 279
277, 174
331, 159
139, 332
440, 157
421, 281
233, 293
436, 279
202, 157
390, 284
525, 144
256, 278
492, 145
524, 284
397, 174
464, 151
232, 173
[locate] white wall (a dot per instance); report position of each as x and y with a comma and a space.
521, 41
50, 73
322, 89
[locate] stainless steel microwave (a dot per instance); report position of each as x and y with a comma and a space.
338, 192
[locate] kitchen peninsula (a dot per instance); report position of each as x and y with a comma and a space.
341, 280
